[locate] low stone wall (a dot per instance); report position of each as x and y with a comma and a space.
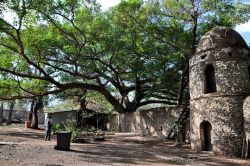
62, 117
23, 115
155, 122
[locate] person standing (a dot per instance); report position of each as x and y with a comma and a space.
48, 125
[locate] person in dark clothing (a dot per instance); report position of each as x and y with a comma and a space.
48, 125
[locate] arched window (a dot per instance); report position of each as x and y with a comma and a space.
210, 86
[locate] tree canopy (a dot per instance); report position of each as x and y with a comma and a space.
134, 54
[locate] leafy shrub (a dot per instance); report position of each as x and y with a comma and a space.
56, 127
76, 133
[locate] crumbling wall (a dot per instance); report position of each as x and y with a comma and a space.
155, 122
246, 147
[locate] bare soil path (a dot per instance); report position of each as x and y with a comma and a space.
19, 146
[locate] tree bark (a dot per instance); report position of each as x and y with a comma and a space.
1, 114
80, 119
182, 85
37, 106
10, 112
185, 73
31, 110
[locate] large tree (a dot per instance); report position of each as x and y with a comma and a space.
134, 54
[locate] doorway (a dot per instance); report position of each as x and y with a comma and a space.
205, 136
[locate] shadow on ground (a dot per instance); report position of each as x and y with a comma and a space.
118, 149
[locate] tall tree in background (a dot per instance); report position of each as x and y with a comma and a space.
134, 54
36, 106
11, 108
1, 113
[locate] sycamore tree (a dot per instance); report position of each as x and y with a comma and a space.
134, 54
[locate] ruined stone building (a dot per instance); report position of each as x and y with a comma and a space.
219, 90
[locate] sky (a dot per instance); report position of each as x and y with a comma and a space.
108, 3
244, 30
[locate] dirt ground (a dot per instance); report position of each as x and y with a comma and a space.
19, 146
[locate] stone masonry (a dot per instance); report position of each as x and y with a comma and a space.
216, 110
246, 108
155, 121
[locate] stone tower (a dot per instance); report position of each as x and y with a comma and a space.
219, 84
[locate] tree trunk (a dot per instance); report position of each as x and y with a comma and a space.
97, 121
1, 114
10, 112
183, 83
80, 119
31, 109
181, 89
194, 17
185, 73
34, 122
38, 105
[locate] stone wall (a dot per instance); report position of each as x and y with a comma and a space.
231, 71
23, 116
246, 112
62, 117
225, 114
155, 122
223, 109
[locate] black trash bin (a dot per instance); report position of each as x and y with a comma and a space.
63, 140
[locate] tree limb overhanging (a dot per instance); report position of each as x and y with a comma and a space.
135, 54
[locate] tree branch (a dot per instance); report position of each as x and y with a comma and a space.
157, 102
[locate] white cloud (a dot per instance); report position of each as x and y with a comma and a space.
243, 28
108, 3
